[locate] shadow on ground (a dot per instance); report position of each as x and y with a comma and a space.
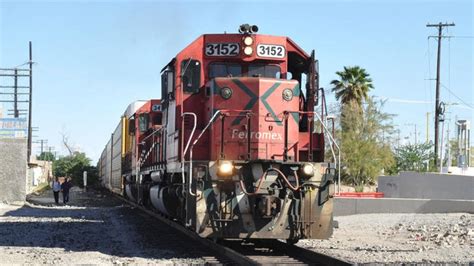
95, 221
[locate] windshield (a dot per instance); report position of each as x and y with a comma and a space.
261, 70
224, 70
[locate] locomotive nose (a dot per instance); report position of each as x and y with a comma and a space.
254, 109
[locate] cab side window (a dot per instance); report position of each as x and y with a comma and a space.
143, 120
157, 119
167, 85
191, 75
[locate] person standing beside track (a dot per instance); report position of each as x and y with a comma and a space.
65, 188
56, 188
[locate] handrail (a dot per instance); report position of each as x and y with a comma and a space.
332, 150
192, 132
191, 151
141, 160
331, 140
221, 112
189, 141
152, 133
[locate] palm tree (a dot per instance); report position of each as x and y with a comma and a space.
353, 85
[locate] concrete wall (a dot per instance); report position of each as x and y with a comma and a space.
12, 170
350, 206
427, 186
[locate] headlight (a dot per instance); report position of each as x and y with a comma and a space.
248, 50
225, 168
226, 93
307, 169
287, 94
248, 40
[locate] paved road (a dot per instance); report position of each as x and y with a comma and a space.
94, 229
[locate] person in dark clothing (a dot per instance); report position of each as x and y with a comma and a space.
56, 188
65, 186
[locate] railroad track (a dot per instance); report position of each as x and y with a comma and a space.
240, 252
272, 251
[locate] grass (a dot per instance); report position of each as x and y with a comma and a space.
41, 188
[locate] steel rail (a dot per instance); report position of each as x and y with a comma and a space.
244, 255
272, 251
229, 253
309, 255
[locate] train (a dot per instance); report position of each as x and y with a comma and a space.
235, 147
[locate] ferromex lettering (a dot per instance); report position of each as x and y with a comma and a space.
256, 135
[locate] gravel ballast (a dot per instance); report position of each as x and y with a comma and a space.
98, 228
104, 232
400, 238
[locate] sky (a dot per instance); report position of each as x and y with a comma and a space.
93, 58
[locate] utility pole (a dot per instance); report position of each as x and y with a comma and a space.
438, 64
30, 131
398, 139
43, 143
15, 95
428, 127
416, 133
416, 142
51, 149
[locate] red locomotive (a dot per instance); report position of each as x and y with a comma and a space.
235, 147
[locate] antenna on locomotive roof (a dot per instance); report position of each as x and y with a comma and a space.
246, 28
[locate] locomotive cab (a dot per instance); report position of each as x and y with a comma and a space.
145, 130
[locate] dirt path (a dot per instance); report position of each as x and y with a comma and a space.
93, 229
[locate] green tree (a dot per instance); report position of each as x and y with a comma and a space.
353, 85
365, 148
415, 157
72, 165
454, 146
46, 156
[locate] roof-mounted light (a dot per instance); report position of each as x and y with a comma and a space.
253, 29
246, 28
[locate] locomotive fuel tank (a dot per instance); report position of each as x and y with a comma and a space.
130, 190
165, 199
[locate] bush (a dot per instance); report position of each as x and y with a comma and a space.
74, 166
415, 157
365, 143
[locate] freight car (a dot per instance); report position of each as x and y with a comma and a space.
235, 146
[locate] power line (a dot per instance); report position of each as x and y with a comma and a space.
395, 100
457, 97
429, 70
460, 37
